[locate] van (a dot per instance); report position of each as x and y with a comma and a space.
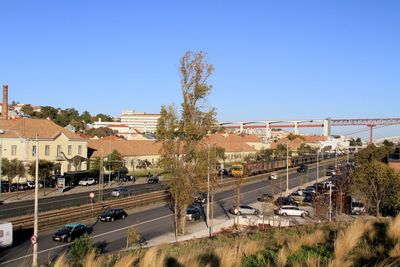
6, 234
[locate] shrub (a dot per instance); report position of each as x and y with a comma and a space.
79, 249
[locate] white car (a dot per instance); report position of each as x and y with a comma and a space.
273, 176
30, 184
291, 211
87, 181
244, 209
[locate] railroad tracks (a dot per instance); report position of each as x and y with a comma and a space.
51, 219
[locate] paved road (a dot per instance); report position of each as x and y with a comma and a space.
69, 200
150, 223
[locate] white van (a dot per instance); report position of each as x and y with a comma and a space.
6, 234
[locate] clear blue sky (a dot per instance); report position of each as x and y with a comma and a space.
273, 59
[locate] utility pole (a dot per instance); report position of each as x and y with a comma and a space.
208, 191
1, 158
330, 202
287, 167
36, 208
317, 165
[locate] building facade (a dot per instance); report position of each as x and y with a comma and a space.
21, 138
140, 121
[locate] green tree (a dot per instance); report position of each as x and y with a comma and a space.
79, 249
265, 154
114, 161
15, 168
28, 110
376, 184
372, 153
388, 143
305, 149
183, 153
5, 166
48, 112
103, 117
100, 132
86, 117
281, 151
45, 168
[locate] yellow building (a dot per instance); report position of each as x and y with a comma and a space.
19, 137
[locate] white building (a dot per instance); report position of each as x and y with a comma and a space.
340, 143
140, 121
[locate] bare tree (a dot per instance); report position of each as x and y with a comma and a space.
183, 153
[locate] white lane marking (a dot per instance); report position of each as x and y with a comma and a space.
92, 237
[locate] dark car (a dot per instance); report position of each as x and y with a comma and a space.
224, 173
331, 167
18, 187
201, 198
265, 197
286, 201
5, 187
70, 232
46, 184
153, 180
112, 215
330, 173
193, 214
302, 168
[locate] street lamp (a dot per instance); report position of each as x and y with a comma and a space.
287, 166
1, 157
36, 209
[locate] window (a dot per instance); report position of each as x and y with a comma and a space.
58, 150
13, 150
79, 150
69, 149
47, 150
33, 150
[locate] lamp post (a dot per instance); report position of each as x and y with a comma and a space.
1, 158
36, 207
208, 191
287, 166
317, 165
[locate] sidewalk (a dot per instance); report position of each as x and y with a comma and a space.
53, 192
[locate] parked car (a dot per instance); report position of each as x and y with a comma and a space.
193, 214
273, 176
302, 168
291, 211
330, 172
201, 198
70, 232
284, 201
87, 181
298, 196
309, 198
266, 197
46, 184
331, 167
30, 184
244, 209
19, 187
129, 178
112, 215
310, 189
153, 180
5, 187
224, 172
118, 192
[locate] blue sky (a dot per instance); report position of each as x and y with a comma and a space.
273, 59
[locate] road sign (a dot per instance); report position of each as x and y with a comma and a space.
91, 195
33, 239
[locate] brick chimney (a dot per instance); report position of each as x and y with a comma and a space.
4, 111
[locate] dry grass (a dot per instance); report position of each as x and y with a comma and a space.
307, 240
395, 252
152, 258
394, 229
61, 261
126, 261
347, 240
282, 257
228, 256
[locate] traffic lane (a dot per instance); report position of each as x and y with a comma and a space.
26, 207
46, 242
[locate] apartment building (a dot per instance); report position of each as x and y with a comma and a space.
141, 121
20, 137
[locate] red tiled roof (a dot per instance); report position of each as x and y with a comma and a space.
124, 147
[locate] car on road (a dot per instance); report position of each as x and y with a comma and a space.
291, 211
273, 176
284, 201
153, 180
70, 232
330, 172
302, 168
5, 187
244, 210
87, 181
118, 192
267, 197
310, 189
112, 215
193, 214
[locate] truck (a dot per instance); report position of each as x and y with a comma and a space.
6, 234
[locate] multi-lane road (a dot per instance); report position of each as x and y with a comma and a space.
151, 222
25, 207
